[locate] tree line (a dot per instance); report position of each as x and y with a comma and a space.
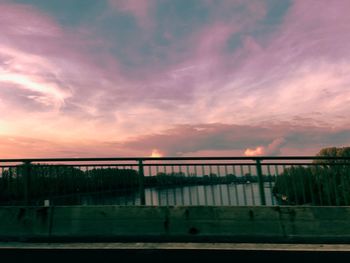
324, 182
47, 181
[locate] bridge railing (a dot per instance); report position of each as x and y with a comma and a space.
168, 181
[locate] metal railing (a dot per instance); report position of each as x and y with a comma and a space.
219, 181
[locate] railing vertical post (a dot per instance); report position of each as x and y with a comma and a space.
26, 182
142, 183
261, 182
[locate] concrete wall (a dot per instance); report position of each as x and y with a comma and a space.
212, 224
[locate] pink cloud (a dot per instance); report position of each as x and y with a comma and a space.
294, 76
34, 147
33, 46
50, 75
299, 69
28, 70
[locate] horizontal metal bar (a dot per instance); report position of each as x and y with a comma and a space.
174, 164
196, 164
128, 164
309, 164
238, 164
261, 158
83, 165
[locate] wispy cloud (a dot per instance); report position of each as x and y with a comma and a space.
181, 77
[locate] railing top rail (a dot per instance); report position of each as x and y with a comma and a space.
101, 159
127, 165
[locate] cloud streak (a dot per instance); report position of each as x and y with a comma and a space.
262, 140
180, 77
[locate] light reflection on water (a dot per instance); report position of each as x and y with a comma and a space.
212, 195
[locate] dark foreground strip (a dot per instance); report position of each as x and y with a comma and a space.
168, 252
175, 255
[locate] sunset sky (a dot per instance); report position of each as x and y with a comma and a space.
113, 78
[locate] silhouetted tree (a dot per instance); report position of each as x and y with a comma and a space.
326, 182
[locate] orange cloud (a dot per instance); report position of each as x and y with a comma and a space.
273, 148
156, 153
254, 152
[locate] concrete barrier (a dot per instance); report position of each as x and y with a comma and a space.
174, 224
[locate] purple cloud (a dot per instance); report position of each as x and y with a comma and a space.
209, 77
242, 140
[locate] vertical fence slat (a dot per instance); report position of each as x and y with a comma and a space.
261, 182
150, 190
243, 186
197, 190
270, 184
26, 180
251, 185
235, 184
141, 183
190, 186
228, 183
